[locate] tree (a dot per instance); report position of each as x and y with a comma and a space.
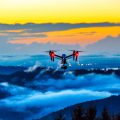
78, 113
105, 114
60, 117
91, 113
118, 116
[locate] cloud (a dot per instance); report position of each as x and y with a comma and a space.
34, 28
92, 81
40, 104
88, 33
68, 90
35, 48
108, 45
32, 38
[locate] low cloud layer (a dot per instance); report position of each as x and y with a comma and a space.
38, 96
59, 94
39, 104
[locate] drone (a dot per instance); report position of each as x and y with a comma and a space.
64, 57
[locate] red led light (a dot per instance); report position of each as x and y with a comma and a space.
76, 54
53, 55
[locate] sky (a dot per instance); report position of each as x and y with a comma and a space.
58, 22
54, 11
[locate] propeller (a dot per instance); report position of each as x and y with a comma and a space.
75, 50
51, 50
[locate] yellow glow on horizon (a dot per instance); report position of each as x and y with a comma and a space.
55, 11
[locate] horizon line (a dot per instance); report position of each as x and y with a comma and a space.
59, 23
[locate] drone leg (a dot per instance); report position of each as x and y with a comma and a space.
73, 58
76, 58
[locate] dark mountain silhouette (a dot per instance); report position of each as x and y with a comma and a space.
112, 104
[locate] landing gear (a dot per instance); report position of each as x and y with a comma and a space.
64, 67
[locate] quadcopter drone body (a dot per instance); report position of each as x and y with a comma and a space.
64, 57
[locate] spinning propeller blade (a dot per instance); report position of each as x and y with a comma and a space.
80, 51
51, 50
75, 50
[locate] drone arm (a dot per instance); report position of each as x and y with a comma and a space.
69, 56
57, 56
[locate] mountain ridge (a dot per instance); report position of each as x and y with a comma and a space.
111, 103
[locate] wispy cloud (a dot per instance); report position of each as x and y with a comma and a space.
31, 27
107, 45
